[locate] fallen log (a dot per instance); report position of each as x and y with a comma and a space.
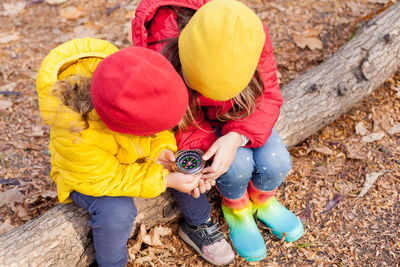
322, 94
61, 237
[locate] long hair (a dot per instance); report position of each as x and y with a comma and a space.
244, 103
74, 92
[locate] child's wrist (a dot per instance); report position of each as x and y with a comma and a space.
238, 138
167, 181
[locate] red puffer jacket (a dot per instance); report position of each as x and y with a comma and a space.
155, 20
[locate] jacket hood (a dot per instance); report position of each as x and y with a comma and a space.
78, 56
146, 11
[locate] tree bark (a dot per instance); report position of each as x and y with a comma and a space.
322, 94
61, 237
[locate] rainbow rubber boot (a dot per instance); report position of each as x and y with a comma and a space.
244, 234
279, 219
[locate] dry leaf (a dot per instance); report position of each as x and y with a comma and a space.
9, 87
48, 193
7, 37
146, 239
309, 253
372, 137
155, 234
82, 31
151, 239
397, 89
370, 179
263, 14
355, 8
332, 203
395, 129
354, 150
155, 238
6, 226
360, 129
322, 149
277, 6
306, 213
27, 145
11, 197
382, 122
160, 230
37, 131
144, 261
5, 104
139, 240
13, 9
55, 2
72, 13
378, 1
309, 39
279, 76
22, 213
313, 32
311, 42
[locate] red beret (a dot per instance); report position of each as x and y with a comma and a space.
137, 91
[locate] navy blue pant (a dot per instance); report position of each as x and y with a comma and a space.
266, 167
111, 221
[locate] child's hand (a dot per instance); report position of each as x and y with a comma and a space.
166, 158
224, 152
185, 183
204, 186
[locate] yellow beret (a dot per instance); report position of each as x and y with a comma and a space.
220, 48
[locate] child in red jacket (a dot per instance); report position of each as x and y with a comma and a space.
223, 52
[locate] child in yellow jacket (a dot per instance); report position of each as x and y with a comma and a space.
110, 113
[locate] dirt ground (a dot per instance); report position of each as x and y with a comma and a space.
345, 179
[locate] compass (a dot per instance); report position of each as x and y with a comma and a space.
188, 161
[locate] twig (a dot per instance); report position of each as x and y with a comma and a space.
112, 9
9, 93
35, 2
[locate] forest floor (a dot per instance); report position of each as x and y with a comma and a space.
345, 179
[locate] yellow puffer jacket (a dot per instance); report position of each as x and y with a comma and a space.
95, 161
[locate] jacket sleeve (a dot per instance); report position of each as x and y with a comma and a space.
91, 170
195, 137
258, 126
163, 140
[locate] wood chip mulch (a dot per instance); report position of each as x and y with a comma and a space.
345, 179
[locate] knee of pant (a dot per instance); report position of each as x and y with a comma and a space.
238, 173
115, 214
278, 167
275, 165
243, 165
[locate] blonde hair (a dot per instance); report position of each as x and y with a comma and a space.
246, 101
243, 105
74, 92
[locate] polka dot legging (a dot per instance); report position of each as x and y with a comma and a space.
266, 166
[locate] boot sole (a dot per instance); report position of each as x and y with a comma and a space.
186, 238
296, 237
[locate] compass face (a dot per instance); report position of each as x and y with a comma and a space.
189, 161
